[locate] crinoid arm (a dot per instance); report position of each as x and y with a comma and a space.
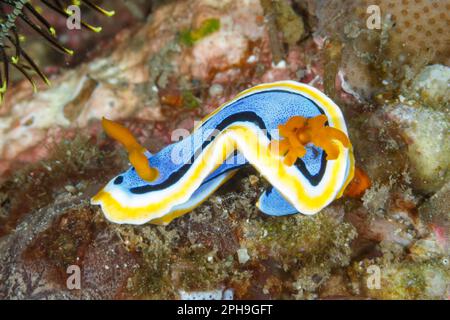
24, 12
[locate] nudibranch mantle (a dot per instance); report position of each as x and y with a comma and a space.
243, 129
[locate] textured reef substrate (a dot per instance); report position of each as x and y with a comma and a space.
186, 59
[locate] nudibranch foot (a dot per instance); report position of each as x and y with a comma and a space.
313, 167
272, 203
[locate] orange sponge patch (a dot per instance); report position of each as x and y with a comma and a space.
360, 183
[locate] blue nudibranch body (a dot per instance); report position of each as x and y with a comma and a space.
239, 133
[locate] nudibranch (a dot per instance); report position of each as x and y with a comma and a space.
293, 134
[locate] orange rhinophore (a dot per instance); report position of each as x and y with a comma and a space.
136, 152
299, 131
360, 183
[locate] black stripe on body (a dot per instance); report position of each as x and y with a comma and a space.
245, 116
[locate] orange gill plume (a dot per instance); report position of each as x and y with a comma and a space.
136, 152
299, 131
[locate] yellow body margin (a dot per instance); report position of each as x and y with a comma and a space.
247, 140
166, 219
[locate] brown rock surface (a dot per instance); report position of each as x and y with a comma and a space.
156, 77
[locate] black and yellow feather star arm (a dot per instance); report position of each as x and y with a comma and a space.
14, 12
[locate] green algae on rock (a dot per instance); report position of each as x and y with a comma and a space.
189, 37
306, 248
34, 186
405, 280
